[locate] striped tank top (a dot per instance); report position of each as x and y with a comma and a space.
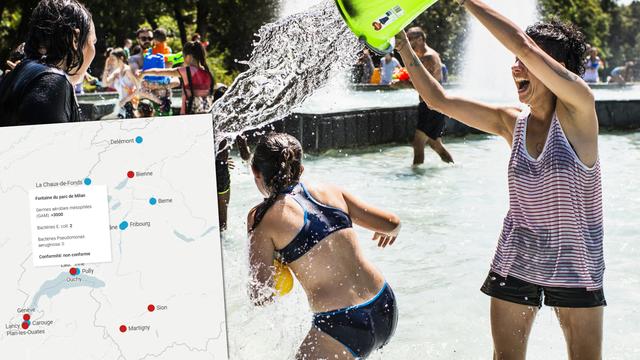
552, 234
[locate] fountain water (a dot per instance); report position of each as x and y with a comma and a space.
487, 64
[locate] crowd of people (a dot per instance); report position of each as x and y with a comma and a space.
388, 73
596, 69
142, 74
365, 71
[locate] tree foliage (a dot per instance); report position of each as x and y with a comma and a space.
445, 23
588, 15
611, 27
230, 25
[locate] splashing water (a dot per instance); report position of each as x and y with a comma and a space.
289, 7
294, 56
487, 64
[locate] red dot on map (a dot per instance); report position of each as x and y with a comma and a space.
131, 174
73, 271
25, 325
123, 328
151, 308
26, 317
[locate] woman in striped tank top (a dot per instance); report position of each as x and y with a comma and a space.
551, 244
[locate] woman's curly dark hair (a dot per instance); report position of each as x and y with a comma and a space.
562, 41
52, 32
278, 157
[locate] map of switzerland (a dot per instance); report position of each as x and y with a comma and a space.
109, 241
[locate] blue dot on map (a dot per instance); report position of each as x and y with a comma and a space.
123, 225
153, 201
139, 139
87, 181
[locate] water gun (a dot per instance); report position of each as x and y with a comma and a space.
283, 278
175, 59
401, 74
155, 62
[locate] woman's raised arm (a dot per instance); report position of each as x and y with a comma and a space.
488, 118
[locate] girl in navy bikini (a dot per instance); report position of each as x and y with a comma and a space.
551, 243
309, 228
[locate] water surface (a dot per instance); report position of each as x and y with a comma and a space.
452, 216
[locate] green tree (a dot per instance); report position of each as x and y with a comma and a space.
588, 15
445, 24
623, 40
228, 25
232, 24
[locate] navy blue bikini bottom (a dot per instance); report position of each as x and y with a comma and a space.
363, 328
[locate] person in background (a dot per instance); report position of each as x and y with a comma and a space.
154, 42
591, 65
107, 69
123, 80
144, 36
195, 77
310, 228
145, 109
197, 37
387, 65
622, 74
160, 42
135, 50
15, 57
364, 67
90, 83
431, 123
59, 47
127, 47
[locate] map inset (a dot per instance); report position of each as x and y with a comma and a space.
110, 247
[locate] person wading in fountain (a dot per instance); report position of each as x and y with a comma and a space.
430, 126
551, 242
309, 228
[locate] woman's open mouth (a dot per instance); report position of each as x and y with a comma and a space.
523, 85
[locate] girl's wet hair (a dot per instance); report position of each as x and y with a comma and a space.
562, 41
278, 157
52, 34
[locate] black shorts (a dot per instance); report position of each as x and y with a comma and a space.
525, 293
223, 177
430, 121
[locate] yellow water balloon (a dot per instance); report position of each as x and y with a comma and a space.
283, 278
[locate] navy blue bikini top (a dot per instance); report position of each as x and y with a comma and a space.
319, 222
